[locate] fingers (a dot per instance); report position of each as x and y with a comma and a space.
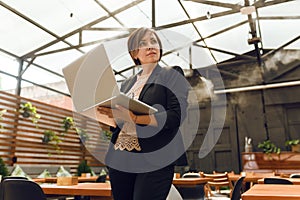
119, 112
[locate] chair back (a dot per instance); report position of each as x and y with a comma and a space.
191, 175
194, 193
271, 180
295, 176
218, 179
13, 177
17, 189
236, 192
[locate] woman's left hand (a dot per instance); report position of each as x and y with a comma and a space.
124, 114
118, 113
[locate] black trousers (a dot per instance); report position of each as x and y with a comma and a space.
141, 186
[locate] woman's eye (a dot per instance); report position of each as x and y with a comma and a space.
142, 44
153, 41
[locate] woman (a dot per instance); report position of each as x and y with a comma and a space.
145, 148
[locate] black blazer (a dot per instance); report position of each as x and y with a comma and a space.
167, 90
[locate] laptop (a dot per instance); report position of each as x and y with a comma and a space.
91, 82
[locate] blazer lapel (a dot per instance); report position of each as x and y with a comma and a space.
150, 81
129, 85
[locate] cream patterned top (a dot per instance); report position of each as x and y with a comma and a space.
127, 138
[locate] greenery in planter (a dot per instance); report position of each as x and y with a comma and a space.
51, 137
107, 135
83, 167
82, 134
292, 142
3, 168
27, 110
1, 117
68, 123
269, 147
54, 138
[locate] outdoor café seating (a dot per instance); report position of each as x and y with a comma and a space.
213, 187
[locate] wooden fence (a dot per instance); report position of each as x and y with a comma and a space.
21, 140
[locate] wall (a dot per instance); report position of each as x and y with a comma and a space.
261, 114
21, 139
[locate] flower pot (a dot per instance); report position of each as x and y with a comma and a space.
26, 114
295, 148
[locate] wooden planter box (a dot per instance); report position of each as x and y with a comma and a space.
295, 148
67, 181
273, 161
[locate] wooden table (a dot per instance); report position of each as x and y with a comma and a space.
295, 181
96, 191
272, 192
54, 179
250, 177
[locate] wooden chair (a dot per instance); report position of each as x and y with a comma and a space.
219, 180
294, 176
192, 193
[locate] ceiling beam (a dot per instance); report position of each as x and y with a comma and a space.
196, 29
82, 45
281, 47
87, 26
215, 3
32, 22
109, 13
227, 52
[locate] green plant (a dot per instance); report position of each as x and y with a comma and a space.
83, 167
1, 117
68, 123
27, 110
107, 135
3, 168
82, 134
292, 142
269, 147
51, 137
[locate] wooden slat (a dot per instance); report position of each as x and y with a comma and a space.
23, 139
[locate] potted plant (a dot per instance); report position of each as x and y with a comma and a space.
68, 123
83, 168
27, 110
269, 147
82, 134
1, 117
52, 138
3, 168
106, 135
294, 144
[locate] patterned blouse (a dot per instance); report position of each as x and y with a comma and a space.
127, 138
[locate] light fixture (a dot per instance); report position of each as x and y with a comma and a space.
247, 10
208, 15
